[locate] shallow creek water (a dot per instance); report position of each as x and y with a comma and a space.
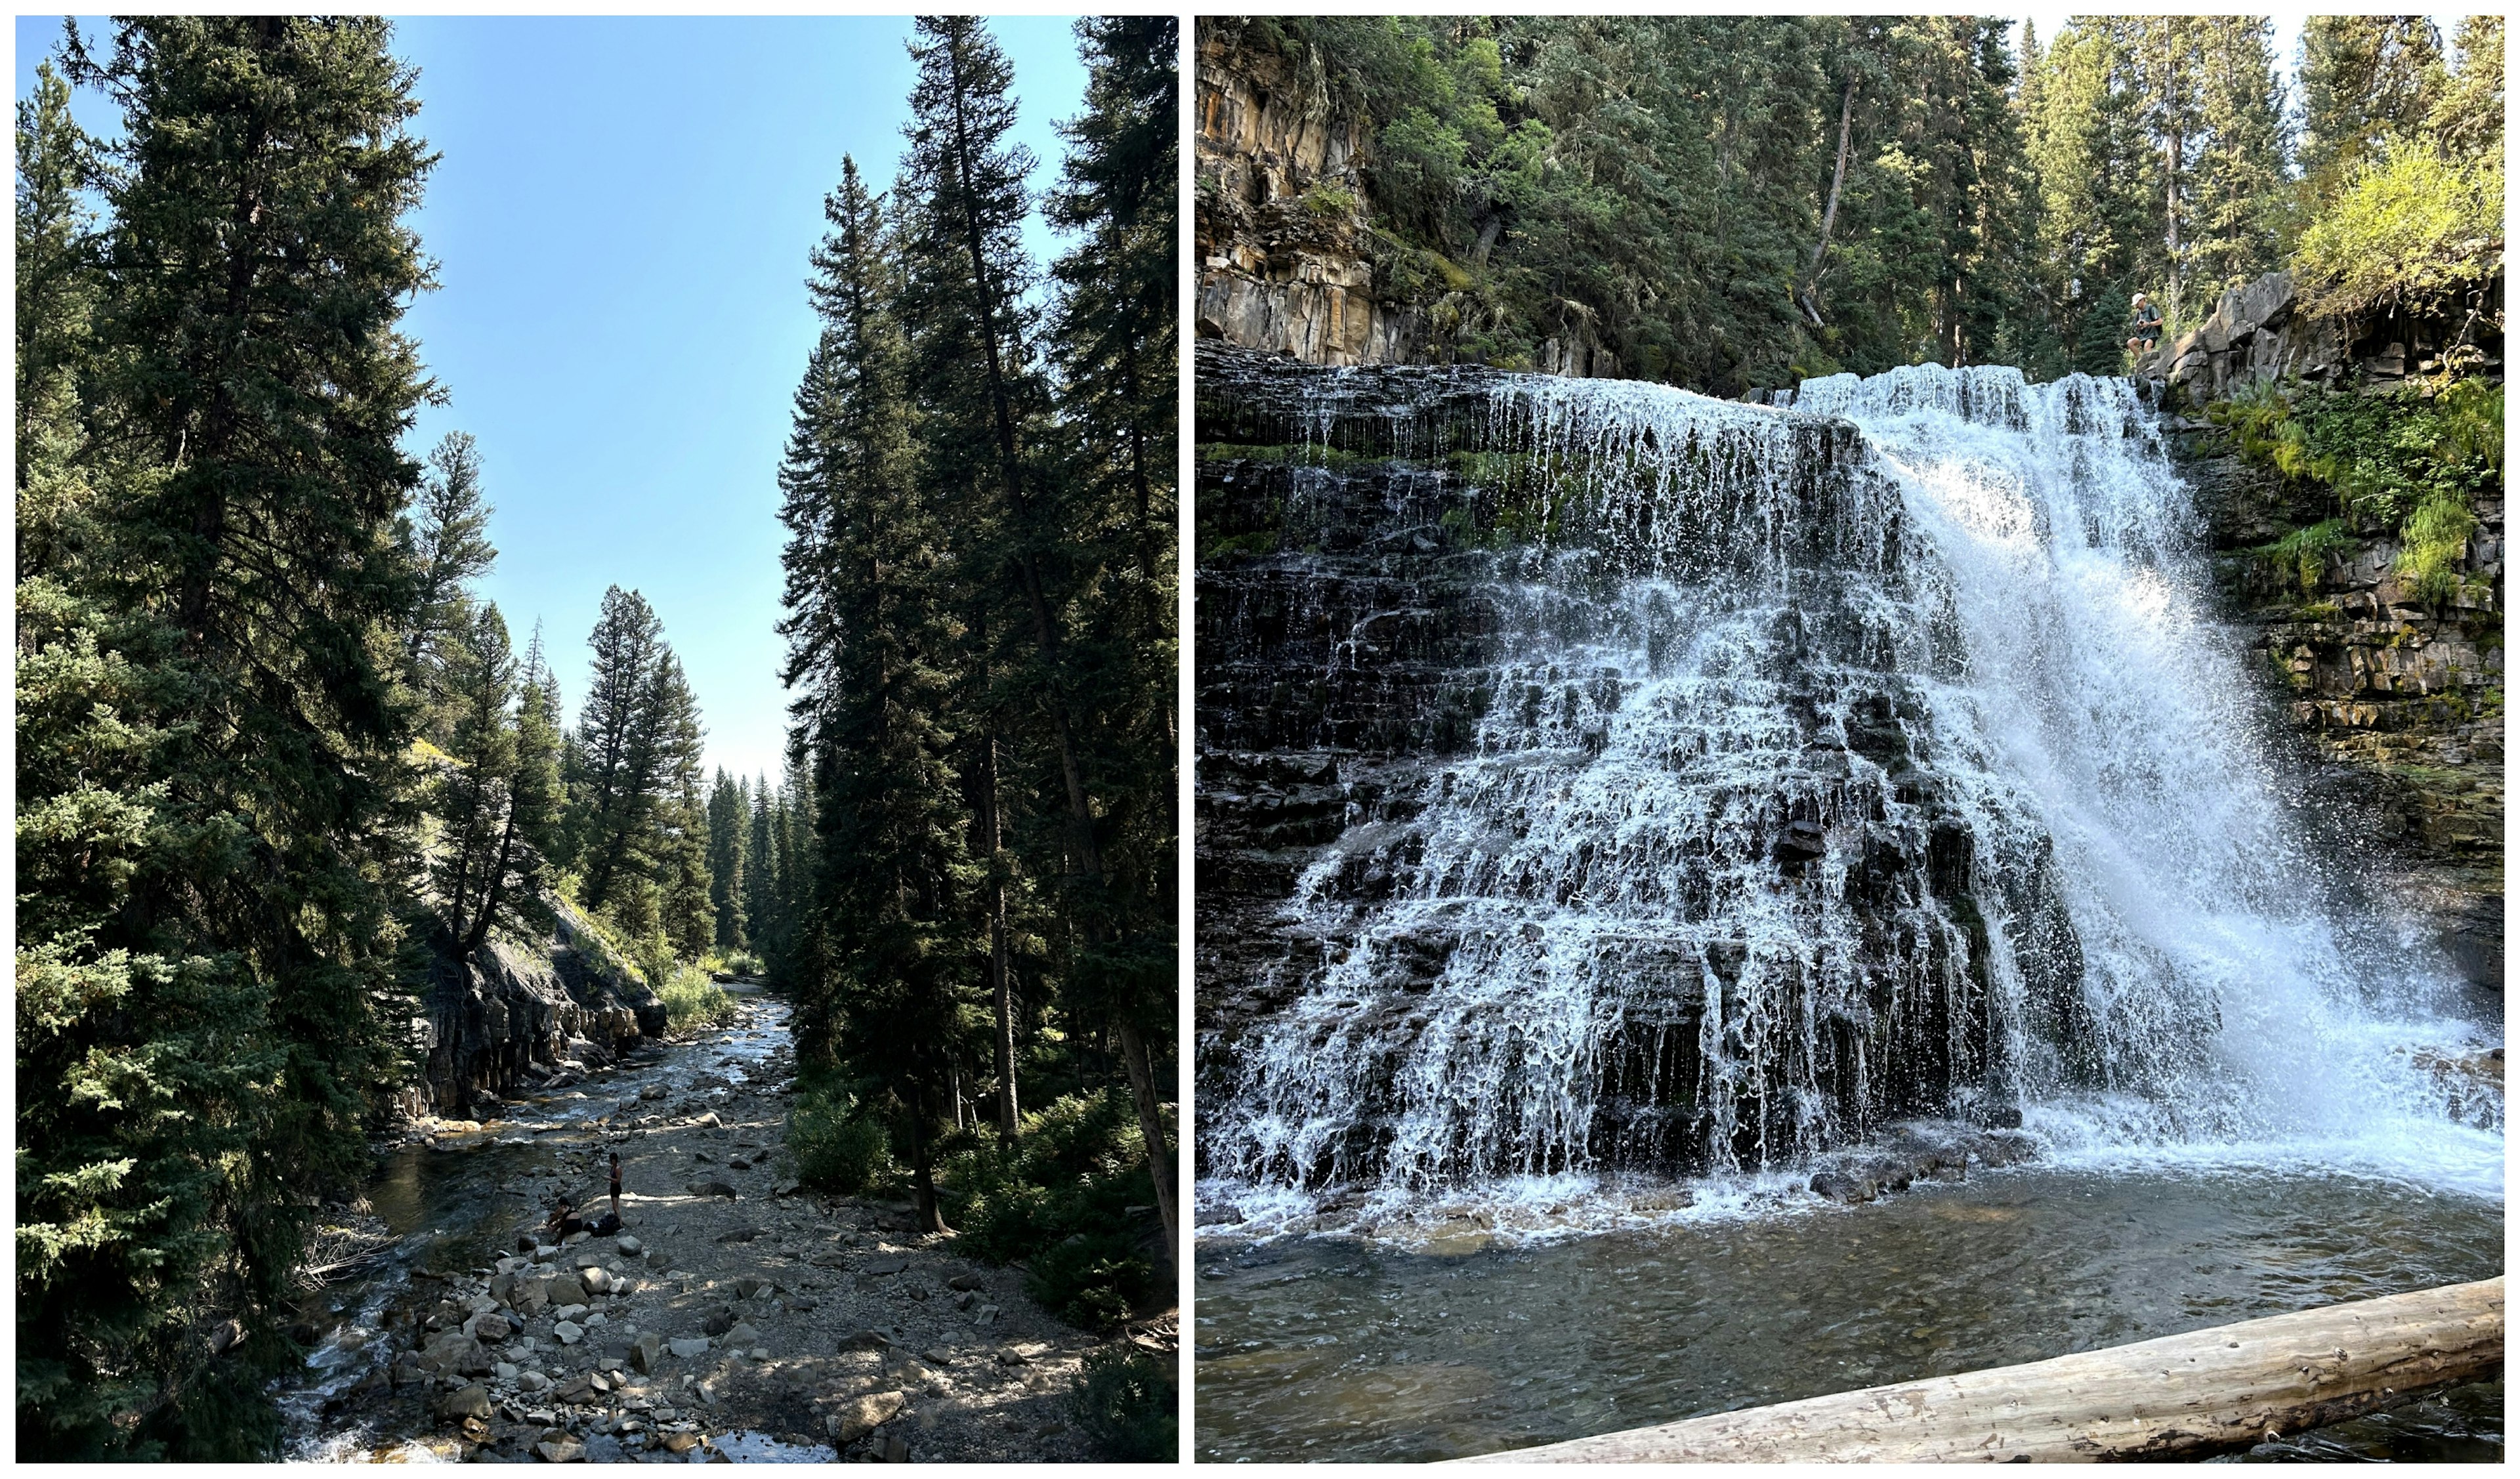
456, 1208
1335, 1347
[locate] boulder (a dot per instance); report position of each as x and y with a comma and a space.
454, 1351
1843, 1187
865, 1414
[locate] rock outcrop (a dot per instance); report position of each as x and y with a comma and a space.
2397, 702
522, 1013
2258, 333
1282, 214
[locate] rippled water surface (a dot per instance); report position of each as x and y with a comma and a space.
1319, 1347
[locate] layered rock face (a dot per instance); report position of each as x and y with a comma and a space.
527, 1015
2255, 332
2396, 701
2396, 704
1281, 216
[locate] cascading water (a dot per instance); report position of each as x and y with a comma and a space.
1872, 760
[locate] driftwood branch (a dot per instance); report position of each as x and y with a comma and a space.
2177, 1397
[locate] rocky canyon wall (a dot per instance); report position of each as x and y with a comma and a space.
525, 1014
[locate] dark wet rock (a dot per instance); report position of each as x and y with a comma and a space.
466, 1402
1844, 1186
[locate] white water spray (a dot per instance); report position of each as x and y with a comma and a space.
1826, 780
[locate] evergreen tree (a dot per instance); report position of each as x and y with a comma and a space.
2241, 188
761, 884
611, 781
727, 816
2363, 78
477, 778
212, 744
1115, 323
2468, 115
450, 544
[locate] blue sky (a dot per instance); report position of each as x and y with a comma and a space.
621, 218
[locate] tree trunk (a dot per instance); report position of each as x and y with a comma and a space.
1836, 188
2180, 1396
922, 1168
1151, 1124
1000, 991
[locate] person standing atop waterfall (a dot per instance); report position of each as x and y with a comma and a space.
2147, 324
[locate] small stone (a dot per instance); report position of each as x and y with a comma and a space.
630, 1247
560, 1450
568, 1333
491, 1326
505, 1370
718, 1320
466, 1402
739, 1235
896, 1448
748, 1286
576, 1389
964, 1281
710, 1189
865, 1340
743, 1335
532, 1381
569, 1311
680, 1443
688, 1347
647, 1353
987, 1315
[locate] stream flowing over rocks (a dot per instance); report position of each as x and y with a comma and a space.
1614, 801
732, 1317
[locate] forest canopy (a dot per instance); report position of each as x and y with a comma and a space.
1728, 201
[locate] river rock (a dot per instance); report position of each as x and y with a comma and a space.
688, 1347
647, 1353
744, 1337
596, 1281
630, 1246
466, 1402
710, 1189
560, 1450
680, 1443
577, 1388
865, 1414
568, 1333
564, 1291
454, 1351
1843, 1187
505, 1370
490, 1327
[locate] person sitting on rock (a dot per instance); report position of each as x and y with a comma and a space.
566, 1221
2147, 324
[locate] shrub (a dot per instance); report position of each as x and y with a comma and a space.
1124, 1401
692, 1001
2414, 231
1060, 1201
839, 1143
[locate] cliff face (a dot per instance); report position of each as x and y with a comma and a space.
1282, 214
526, 1014
2397, 704
2256, 333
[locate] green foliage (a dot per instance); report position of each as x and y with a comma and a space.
2414, 459
2415, 231
1125, 1402
1059, 1202
2304, 552
837, 1139
693, 1002
213, 726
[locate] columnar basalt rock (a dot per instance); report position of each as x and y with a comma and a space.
519, 1015
1282, 234
2258, 333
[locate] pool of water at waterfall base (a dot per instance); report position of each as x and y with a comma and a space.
1337, 1347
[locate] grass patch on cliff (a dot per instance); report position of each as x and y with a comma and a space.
2415, 458
693, 1002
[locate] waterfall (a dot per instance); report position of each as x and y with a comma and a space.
1826, 768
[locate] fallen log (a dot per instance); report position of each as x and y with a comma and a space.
2180, 1396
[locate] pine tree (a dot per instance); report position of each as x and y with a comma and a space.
202, 1002
450, 540
611, 788
2468, 115
477, 778
2363, 78
761, 886
1115, 323
728, 815
2242, 190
